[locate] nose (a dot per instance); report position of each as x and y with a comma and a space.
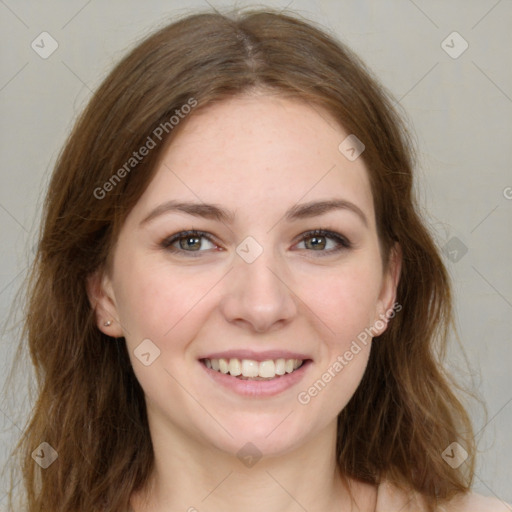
257, 295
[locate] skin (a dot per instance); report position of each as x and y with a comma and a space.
256, 155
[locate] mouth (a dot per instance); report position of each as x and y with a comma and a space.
255, 374
252, 370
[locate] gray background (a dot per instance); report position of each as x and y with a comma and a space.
460, 108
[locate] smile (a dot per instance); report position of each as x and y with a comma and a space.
256, 379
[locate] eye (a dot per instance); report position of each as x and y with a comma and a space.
190, 241
324, 241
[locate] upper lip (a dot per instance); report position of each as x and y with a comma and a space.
256, 356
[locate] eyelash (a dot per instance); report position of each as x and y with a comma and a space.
343, 242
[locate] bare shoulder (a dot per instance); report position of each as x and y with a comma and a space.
472, 502
392, 498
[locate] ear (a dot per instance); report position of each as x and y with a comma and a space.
102, 299
386, 304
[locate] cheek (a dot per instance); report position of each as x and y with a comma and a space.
335, 380
345, 300
157, 303
165, 307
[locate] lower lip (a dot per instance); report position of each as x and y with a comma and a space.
258, 388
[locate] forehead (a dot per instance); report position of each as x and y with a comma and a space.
259, 151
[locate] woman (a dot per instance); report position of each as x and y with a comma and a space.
235, 305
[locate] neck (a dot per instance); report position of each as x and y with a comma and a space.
189, 476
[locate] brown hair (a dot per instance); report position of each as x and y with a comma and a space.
90, 407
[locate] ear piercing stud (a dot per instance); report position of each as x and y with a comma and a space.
108, 323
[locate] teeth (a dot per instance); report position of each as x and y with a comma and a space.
248, 368
224, 365
280, 367
235, 367
267, 369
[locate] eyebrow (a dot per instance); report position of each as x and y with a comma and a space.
214, 212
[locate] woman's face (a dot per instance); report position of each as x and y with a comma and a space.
254, 292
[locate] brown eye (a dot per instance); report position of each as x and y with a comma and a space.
316, 242
190, 242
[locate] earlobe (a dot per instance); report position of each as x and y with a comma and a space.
102, 300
